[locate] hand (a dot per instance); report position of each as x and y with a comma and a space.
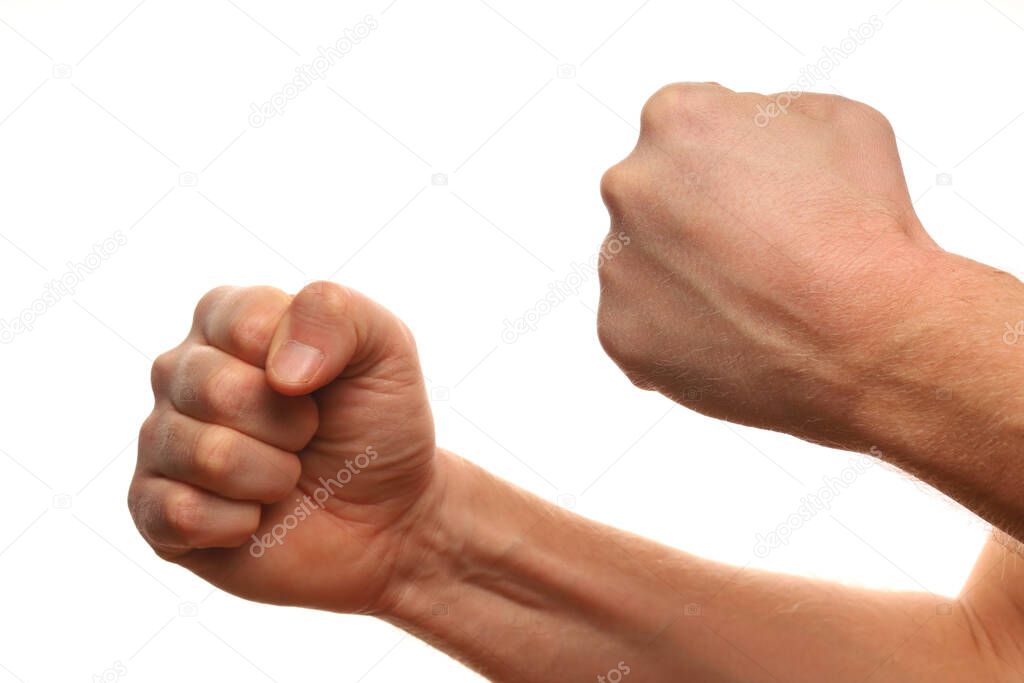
771, 262
291, 480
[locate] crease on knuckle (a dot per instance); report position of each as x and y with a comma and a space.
224, 394
322, 303
182, 514
214, 457
252, 333
255, 319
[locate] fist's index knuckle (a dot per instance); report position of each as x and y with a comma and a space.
858, 114
679, 103
209, 301
162, 371
247, 329
251, 334
622, 185
322, 303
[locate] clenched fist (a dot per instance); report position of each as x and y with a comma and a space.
290, 448
775, 265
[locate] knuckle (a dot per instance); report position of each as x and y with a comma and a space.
209, 301
612, 268
184, 370
162, 371
621, 185
215, 457
182, 514
405, 335
818, 106
224, 393
612, 245
255, 315
638, 379
665, 104
134, 501
322, 302
148, 432
609, 333
622, 346
250, 332
878, 118
857, 113
677, 103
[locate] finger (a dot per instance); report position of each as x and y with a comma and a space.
241, 320
213, 387
216, 458
175, 517
331, 331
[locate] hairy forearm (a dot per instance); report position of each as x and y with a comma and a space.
943, 395
522, 590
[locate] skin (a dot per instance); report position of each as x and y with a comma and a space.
774, 275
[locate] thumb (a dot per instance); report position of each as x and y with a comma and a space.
327, 331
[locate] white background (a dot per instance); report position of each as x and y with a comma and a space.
105, 110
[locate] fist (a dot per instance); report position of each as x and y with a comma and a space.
290, 449
770, 261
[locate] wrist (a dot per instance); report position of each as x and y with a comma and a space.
473, 580
942, 385
498, 570
470, 521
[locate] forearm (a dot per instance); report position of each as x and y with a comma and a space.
943, 393
524, 591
